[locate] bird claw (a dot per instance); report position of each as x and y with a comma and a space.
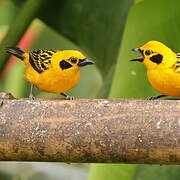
152, 98
155, 97
69, 98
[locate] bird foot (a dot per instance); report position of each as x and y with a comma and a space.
70, 98
155, 97
152, 98
67, 97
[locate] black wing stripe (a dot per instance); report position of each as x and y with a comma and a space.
32, 62
40, 60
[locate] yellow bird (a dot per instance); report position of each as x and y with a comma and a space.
53, 71
163, 68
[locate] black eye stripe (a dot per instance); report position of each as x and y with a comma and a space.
64, 65
156, 58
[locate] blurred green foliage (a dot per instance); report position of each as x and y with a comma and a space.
95, 27
105, 31
19, 25
112, 172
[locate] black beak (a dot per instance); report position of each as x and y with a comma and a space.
136, 49
85, 62
141, 58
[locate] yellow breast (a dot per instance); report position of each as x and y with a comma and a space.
53, 81
165, 81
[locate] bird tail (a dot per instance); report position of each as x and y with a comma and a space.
16, 52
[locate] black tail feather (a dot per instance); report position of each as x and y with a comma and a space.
16, 52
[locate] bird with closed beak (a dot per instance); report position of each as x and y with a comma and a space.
52, 71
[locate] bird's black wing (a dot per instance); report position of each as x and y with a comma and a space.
40, 60
177, 64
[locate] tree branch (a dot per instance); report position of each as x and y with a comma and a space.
84, 130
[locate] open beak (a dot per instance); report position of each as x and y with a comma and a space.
85, 62
141, 58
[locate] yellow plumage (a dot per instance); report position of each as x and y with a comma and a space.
52, 71
163, 67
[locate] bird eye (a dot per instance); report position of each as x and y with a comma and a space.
73, 60
148, 52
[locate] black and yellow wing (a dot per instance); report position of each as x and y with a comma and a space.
177, 64
40, 60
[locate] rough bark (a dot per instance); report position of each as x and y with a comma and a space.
85, 130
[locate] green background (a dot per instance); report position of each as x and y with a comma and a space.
105, 31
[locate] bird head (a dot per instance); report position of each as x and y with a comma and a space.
71, 59
155, 55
